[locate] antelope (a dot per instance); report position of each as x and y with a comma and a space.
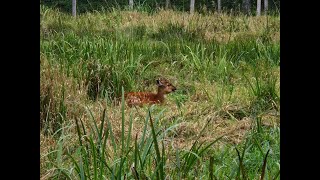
141, 98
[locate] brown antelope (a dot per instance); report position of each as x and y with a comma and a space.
141, 98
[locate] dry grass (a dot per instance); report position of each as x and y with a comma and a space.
213, 26
219, 27
194, 117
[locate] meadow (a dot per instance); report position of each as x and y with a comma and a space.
222, 122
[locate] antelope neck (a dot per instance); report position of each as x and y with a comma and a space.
160, 95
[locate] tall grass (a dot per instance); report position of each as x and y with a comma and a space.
221, 123
149, 158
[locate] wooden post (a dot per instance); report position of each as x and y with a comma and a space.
74, 8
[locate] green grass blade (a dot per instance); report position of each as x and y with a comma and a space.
96, 130
211, 168
94, 151
178, 164
277, 175
264, 165
102, 125
122, 135
158, 156
206, 147
59, 152
114, 145
144, 131
129, 133
136, 157
77, 167
241, 166
79, 132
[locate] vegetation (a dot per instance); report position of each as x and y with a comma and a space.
223, 122
202, 6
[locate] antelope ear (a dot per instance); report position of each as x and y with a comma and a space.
159, 82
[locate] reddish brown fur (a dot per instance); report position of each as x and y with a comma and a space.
141, 98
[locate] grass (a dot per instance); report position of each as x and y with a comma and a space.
222, 123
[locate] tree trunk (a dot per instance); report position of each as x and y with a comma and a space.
258, 7
247, 6
219, 6
266, 7
167, 4
192, 6
74, 8
131, 4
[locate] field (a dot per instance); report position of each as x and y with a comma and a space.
223, 122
